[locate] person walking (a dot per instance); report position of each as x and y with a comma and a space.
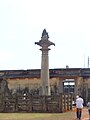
88, 106
79, 106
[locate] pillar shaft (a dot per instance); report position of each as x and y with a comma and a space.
45, 73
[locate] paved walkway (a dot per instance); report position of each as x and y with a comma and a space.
85, 114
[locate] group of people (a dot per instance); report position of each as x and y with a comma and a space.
79, 107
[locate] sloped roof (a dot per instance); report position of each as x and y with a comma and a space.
35, 73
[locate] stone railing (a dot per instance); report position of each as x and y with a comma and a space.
27, 103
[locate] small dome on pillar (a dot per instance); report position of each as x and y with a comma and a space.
45, 33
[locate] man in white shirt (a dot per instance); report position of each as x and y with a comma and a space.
79, 106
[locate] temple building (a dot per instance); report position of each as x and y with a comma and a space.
66, 80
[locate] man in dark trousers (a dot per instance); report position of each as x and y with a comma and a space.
79, 106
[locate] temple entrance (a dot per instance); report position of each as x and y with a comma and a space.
68, 86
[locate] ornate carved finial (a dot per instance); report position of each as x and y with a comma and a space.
45, 33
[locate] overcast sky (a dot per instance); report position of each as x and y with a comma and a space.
22, 22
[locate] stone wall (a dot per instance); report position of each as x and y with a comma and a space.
28, 82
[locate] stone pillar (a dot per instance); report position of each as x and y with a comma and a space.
45, 73
60, 86
45, 43
76, 88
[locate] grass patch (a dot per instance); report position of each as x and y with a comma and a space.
37, 116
